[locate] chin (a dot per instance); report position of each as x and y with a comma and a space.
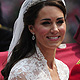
52, 46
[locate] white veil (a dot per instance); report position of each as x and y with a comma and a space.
19, 25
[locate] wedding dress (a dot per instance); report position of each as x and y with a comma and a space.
35, 68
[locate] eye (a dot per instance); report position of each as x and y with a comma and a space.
60, 22
46, 23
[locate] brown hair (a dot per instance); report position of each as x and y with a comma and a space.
26, 46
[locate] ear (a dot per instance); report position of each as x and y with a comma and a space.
31, 28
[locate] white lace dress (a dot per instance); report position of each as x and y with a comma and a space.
35, 68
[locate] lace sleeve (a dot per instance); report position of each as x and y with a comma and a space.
17, 75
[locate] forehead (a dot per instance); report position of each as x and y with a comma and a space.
50, 12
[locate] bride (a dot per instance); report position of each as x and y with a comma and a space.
39, 29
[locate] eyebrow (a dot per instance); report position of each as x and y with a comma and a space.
50, 19
60, 18
45, 19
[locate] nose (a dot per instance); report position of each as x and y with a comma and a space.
54, 29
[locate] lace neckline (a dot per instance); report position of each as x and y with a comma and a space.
41, 57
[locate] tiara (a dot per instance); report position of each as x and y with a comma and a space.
34, 2
31, 2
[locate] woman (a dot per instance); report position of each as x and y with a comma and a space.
34, 43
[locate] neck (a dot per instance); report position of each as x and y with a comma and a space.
49, 55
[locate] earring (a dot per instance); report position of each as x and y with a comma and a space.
33, 37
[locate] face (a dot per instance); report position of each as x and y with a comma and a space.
49, 27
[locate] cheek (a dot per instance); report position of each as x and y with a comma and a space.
63, 30
42, 31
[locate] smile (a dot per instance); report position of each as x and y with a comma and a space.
53, 38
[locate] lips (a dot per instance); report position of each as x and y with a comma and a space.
53, 38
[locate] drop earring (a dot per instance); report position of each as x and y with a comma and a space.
33, 37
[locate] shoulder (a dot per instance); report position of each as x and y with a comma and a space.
22, 68
24, 64
19, 65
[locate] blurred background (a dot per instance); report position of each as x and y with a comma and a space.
10, 10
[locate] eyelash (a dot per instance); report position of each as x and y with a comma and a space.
46, 23
60, 22
49, 23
